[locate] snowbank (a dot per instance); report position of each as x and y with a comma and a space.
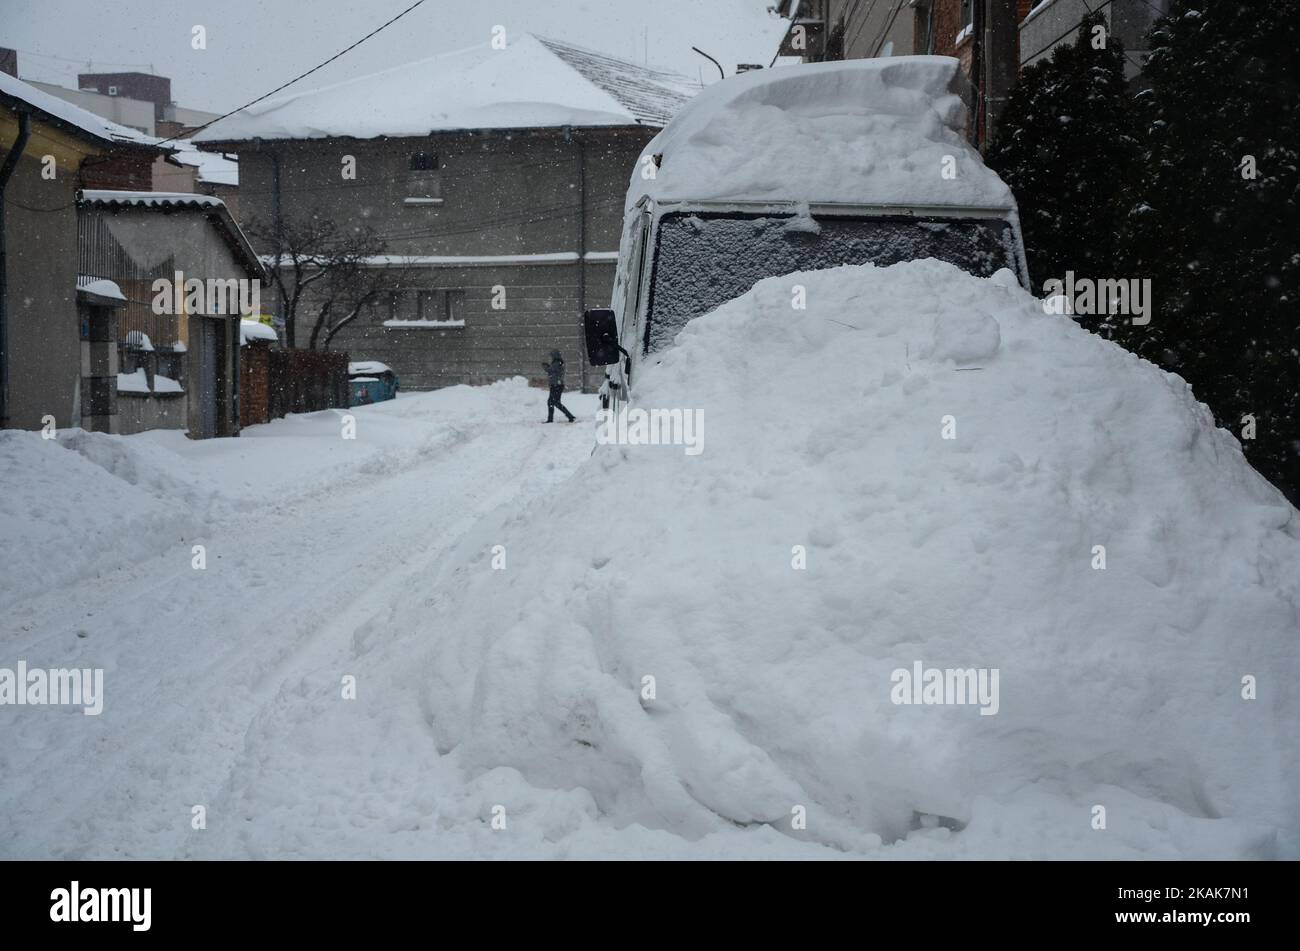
877, 131
69, 516
773, 685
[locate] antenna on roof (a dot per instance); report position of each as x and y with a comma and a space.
711, 60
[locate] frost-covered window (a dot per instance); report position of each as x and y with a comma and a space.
704, 261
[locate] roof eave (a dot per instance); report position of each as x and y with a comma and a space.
255, 143
19, 106
215, 210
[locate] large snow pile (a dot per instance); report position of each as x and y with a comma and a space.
65, 518
1119, 687
877, 131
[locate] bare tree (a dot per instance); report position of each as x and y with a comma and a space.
330, 270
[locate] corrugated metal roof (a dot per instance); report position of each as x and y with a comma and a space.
653, 96
96, 196
167, 201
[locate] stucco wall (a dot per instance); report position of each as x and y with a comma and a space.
44, 344
502, 194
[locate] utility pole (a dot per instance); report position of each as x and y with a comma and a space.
999, 61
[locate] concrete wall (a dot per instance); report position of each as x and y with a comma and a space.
871, 29
500, 194
44, 341
542, 311
1127, 19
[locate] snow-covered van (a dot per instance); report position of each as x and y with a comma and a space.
793, 169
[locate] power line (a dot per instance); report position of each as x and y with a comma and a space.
888, 26
866, 18
319, 66
1091, 11
82, 62
1100, 7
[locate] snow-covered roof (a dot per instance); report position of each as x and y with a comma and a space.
99, 287
103, 196
532, 83
880, 131
213, 169
72, 117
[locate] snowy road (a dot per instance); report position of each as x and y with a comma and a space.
202, 665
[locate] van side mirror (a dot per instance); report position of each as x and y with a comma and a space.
601, 331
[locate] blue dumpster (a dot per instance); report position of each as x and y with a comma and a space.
371, 382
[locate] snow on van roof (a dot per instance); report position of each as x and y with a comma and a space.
876, 131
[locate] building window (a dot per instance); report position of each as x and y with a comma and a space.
423, 181
429, 306
392, 305
424, 162
967, 22
434, 309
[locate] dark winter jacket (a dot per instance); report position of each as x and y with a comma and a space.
555, 369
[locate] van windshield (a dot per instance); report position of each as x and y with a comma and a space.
704, 260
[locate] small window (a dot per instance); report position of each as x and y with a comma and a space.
112, 90
424, 162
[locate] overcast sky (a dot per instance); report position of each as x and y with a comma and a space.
255, 45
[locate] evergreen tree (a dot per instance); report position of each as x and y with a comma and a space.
1214, 218
1065, 145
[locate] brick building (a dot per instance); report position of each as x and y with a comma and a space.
862, 29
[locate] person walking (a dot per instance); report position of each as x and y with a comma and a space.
555, 376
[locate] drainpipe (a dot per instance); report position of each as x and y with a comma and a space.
279, 236
582, 259
569, 137
6, 172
